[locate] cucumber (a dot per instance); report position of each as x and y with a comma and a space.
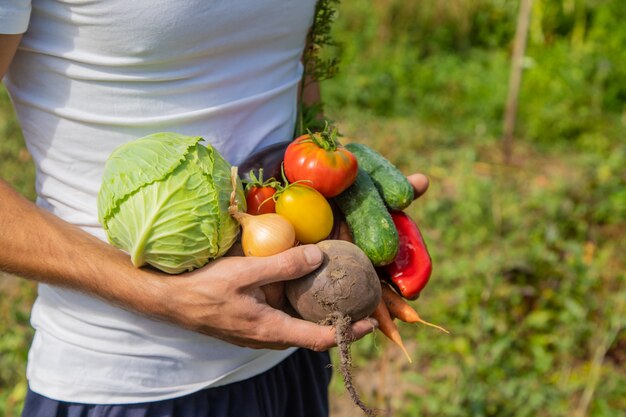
369, 220
396, 190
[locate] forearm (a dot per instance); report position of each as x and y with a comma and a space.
8, 46
38, 245
311, 93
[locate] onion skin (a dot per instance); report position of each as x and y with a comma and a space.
346, 282
265, 234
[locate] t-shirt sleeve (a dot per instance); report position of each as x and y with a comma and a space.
14, 16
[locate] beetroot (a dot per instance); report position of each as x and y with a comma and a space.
345, 288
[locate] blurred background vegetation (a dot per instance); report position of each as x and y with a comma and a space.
529, 266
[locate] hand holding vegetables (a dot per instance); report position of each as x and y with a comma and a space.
225, 299
174, 204
179, 207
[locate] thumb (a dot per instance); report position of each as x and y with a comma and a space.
290, 264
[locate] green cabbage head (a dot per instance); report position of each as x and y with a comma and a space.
164, 199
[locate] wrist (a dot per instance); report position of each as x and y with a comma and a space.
147, 292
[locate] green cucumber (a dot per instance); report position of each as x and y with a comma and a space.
369, 220
393, 186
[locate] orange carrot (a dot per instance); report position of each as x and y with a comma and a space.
401, 309
388, 327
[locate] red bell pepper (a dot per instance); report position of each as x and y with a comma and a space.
410, 271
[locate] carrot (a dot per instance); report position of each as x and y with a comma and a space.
401, 309
388, 327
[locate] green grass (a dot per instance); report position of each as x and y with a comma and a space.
528, 257
16, 298
528, 272
528, 277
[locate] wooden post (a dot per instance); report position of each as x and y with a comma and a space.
515, 77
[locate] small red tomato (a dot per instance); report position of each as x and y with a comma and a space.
259, 200
320, 161
259, 194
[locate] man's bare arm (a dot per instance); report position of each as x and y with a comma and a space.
8, 47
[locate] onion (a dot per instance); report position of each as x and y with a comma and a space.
263, 234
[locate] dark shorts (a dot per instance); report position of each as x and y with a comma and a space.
296, 387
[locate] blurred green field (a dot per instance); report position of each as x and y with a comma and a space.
529, 266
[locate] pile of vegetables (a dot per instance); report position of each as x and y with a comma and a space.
324, 184
175, 204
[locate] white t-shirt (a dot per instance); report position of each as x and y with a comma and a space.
92, 75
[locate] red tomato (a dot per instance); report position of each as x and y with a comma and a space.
259, 194
259, 200
322, 162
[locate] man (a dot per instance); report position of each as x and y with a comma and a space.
86, 77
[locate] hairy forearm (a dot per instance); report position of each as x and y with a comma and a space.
38, 245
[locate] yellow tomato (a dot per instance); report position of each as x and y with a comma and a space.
307, 210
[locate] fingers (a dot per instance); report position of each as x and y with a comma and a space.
290, 264
236, 299
364, 327
301, 333
324, 339
419, 182
275, 295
